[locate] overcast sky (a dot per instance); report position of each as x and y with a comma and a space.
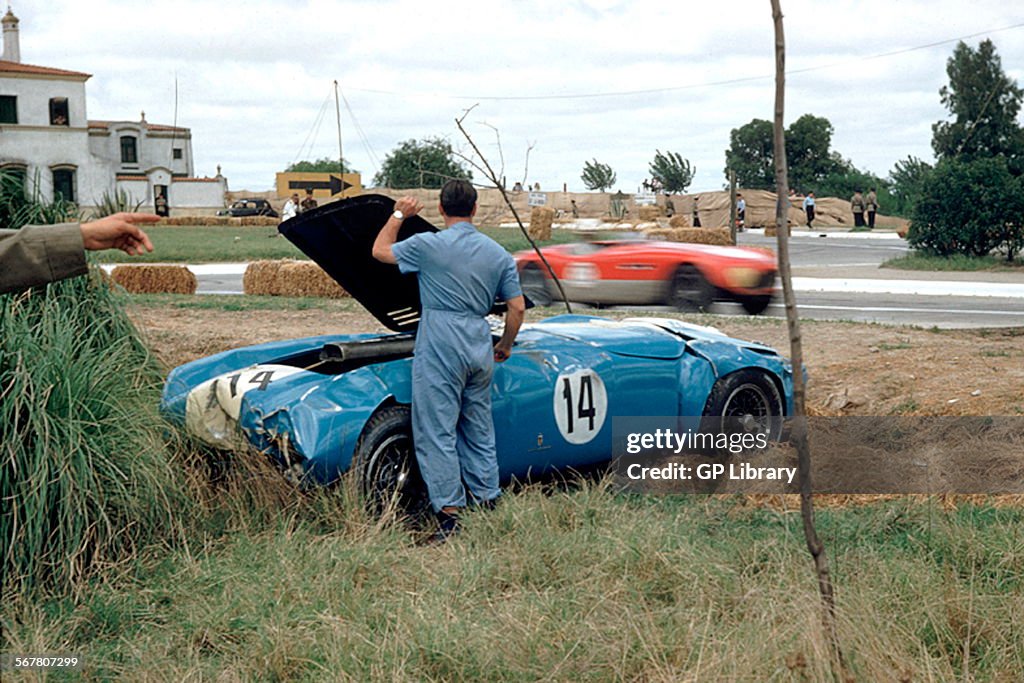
578, 79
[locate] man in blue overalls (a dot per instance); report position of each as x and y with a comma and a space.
461, 272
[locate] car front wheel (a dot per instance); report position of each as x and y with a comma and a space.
385, 464
756, 305
746, 402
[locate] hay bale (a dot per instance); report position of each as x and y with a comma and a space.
541, 218
679, 221
649, 213
146, 279
771, 231
303, 278
716, 236
260, 277
658, 233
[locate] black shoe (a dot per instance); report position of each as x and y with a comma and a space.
447, 526
489, 504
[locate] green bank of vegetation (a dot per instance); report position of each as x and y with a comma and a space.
924, 261
229, 244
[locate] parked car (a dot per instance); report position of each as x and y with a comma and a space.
687, 276
249, 207
327, 405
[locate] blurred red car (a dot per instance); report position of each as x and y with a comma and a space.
687, 276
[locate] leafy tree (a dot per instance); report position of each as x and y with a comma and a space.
808, 153
905, 182
597, 176
750, 155
427, 163
984, 103
969, 207
325, 165
672, 171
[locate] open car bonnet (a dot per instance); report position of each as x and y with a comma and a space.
339, 237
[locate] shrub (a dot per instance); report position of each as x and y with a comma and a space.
968, 207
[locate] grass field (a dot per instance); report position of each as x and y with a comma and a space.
922, 261
213, 244
577, 584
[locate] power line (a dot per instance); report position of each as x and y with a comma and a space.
691, 86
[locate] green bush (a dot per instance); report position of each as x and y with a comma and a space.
969, 207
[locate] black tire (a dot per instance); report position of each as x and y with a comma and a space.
756, 305
385, 464
747, 401
689, 290
535, 285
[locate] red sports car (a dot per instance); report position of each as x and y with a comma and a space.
687, 276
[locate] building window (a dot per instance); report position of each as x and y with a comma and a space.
8, 109
59, 112
64, 184
177, 152
129, 152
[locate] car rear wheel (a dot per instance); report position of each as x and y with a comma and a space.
689, 290
535, 285
385, 464
746, 402
755, 305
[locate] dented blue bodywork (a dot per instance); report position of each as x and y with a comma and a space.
575, 368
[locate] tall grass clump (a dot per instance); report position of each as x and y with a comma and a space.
115, 202
85, 473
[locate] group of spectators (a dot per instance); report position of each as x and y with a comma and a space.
293, 207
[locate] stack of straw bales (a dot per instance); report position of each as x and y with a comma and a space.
146, 279
649, 213
679, 221
541, 218
290, 278
714, 236
220, 220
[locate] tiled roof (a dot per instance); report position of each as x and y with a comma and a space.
19, 68
196, 180
131, 177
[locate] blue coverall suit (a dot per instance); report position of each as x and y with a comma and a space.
460, 273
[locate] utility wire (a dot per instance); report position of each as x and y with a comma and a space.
691, 86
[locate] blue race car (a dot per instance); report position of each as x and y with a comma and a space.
323, 406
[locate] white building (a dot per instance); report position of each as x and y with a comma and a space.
47, 139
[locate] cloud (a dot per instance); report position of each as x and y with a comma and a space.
253, 78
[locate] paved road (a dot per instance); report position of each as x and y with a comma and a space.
836, 278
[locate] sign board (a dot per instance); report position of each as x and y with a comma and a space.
324, 185
644, 198
537, 199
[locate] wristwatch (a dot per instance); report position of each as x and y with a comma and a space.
398, 215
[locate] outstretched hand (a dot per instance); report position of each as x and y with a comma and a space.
119, 232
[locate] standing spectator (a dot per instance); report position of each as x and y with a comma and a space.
575, 209
809, 209
872, 207
308, 203
696, 213
160, 205
291, 207
670, 207
741, 212
518, 187
857, 206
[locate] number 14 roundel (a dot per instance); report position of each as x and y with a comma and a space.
580, 404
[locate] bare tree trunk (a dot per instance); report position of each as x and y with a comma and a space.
799, 431
732, 205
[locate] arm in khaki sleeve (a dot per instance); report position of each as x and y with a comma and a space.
36, 255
